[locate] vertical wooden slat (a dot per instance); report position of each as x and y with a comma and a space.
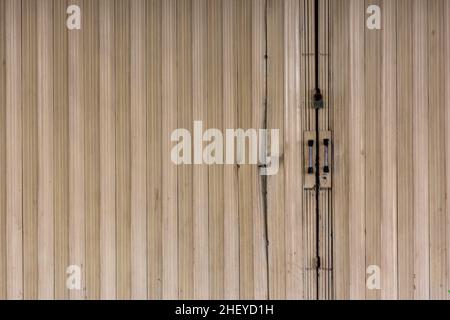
293, 152
420, 154
29, 148
310, 213
46, 269
215, 171
389, 258
307, 195
447, 128
275, 120
138, 153
185, 121
258, 122
357, 170
230, 112
339, 100
244, 38
92, 146
154, 151
436, 124
200, 174
3, 276
325, 212
169, 169
372, 125
76, 156
61, 148
405, 151
107, 153
123, 148
14, 253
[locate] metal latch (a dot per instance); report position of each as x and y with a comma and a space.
325, 163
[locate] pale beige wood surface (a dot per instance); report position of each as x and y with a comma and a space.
275, 120
14, 221
372, 146
138, 152
107, 152
46, 260
29, 148
214, 119
92, 148
244, 89
436, 124
200, 172
123, 147
420, 154
405, 211
185, 173
357, 164
397, 199
259, 208
61, 148
170, 285
2, 154
447, 128
388, 214
154, 151
230, 109
340, 102
77, 245
293, 167
86, 178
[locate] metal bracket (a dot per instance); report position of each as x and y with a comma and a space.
325, 163
309, 153
317, 99
325, 153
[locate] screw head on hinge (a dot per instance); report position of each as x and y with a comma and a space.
317, 99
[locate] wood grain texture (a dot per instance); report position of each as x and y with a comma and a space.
357, 174
447, 129
87, 179
405, 176
123, 147
46, 264
244, 89
92, 147
421, 143
404, 230
230, 113
436, 124
275, 120
215, 172
169, 171
154, 151
138, 152
259, 105
185, 174
3, 278
293, 152
200, 174
389, 140
29, 148
107, 152
340, 100
14, 187
77, 205
61, 148
372, 129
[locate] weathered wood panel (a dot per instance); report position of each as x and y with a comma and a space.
87, 178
